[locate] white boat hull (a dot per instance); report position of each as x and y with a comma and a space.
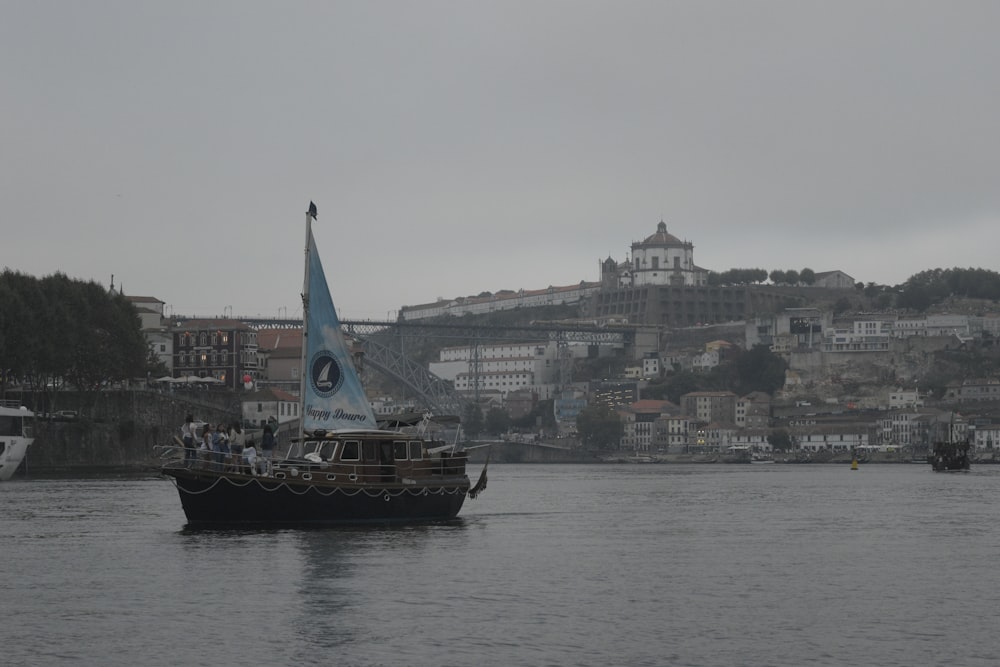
14, 450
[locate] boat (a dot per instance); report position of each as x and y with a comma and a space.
950, 454
15, 437
344, 467
738, 454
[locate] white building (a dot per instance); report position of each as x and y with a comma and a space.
861, 336
832, 438
933, 325
503, 367
154, 328
663, 259
269, 405
901, 399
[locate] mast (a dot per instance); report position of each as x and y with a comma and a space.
310, 216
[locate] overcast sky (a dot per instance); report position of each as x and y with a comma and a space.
460, 147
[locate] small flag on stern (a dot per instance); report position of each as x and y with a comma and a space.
312, 210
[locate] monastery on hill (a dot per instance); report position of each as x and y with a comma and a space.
659, 285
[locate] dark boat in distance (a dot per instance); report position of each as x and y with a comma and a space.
950, 454
344, 468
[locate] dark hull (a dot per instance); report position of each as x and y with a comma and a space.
949, 457
226, 499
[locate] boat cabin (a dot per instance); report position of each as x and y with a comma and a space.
373, 457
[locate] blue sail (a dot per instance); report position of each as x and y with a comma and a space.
333, 397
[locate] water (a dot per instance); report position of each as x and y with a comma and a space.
710, 565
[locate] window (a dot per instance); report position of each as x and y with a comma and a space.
399, 450
349, 451
416, 452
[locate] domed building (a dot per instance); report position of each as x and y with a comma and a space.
663, 259
661, 285
660, 259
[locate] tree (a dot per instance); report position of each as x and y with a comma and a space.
497, 421
760, 369
807, 276
57, 329
472, 420
599, 427
780, 440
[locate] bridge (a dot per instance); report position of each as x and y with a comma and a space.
384, 344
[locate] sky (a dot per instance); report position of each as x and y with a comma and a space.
458, 147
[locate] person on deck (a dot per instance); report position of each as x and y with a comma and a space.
187, 438
250, 457
205, 450
236, 442
267, 443
220, 445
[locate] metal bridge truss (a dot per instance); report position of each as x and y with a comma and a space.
384, 346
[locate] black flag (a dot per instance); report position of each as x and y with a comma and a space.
312, 210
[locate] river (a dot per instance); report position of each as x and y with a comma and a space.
701, 565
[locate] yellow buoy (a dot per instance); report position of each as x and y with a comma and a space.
854, 464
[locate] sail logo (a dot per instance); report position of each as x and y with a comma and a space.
325, 374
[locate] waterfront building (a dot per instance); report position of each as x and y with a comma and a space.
269, 406
753, 410
754, 439
223, 349
710, 406
841, 439
973, 390
279, 354
986, 439
671, 433
154, 328
638, 424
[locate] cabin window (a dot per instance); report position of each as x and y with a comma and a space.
370, 450
416, 452
326, 451
399, 450
349, 452
10, 426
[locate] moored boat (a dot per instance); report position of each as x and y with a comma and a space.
342, 468
15, 437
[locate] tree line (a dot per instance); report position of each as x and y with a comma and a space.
927, 288
757, 276
56, 331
